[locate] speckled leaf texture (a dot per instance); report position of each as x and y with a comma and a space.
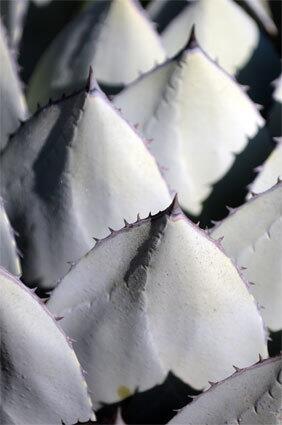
9, 258
270, 171
13, 106
198, 118
41, 379
247, 53
253, 238
124, 294
114, 37
70, 172
250, 396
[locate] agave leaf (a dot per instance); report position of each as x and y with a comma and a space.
275, 124
41, 380
13, 15
253, 238
83, 169
13, 106
246, 53
169, 300
198, 118
270, 172
114, 37
261, 10
9, 258
250, 396
220, 17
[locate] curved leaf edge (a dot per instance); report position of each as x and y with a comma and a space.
55, 320
175, 212
13, 234
193, 44
238, 371
91, 88
258, 170
252, 197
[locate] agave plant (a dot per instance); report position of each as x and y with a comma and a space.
199, 120
114, 297
13, 105
79, 185
9, 258
134, 302
249, 390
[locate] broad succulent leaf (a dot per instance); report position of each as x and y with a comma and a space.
198, 118
270, 171
275, 123
114, 37
250, 396
13, 106
158, 266
253, 239
83, 169
246, 53
9, 258
41, 380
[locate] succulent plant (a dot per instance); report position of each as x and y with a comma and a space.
166, 262
117, 39
246, 53
254, 392
270, 172
258, 249
13, 106
114, 297
198, 119
41, 379
9, 258
84, 170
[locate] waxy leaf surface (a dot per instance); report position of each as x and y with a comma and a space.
252, 236
41, 379
198, 118
247, 53
9, 258
250, 396
73, 170
270, 171
114, 37
155, 297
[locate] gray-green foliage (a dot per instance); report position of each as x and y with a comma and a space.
151, 306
